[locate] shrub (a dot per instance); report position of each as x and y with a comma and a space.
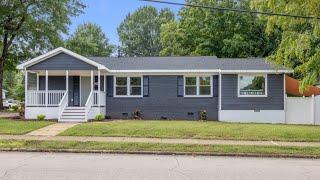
15, 108
99, 117
21, 110
203, 115
136, 114
41, 117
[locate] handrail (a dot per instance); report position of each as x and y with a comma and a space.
88, 104
63, 103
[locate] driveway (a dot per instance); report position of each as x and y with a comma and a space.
41, 166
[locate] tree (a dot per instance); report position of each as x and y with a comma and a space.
299, 46
224, 34
139, 33
89, 40
28, 27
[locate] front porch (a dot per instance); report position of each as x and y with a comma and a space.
66, 95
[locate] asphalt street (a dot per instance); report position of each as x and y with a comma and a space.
44, 166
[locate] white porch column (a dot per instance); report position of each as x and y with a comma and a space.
99, 88
67, 86
37, 81
67, 80
105, 83
26, 87
91, 80
46, 100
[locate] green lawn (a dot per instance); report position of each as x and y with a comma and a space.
198, 130
155, 147
20, 127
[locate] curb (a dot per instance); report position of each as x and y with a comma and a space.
161, 153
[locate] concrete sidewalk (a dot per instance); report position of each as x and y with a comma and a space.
52, 130
160, 140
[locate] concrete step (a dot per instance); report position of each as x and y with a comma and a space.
72, 120
74, 113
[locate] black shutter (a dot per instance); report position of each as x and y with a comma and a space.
145, 86
110, 86
180, 86
215, 84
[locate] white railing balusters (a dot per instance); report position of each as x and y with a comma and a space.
89, 103
96, 98
63, 104
38, 98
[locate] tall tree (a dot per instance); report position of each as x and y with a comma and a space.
299, 46
224, 34
31, 26
139, 33
89, 40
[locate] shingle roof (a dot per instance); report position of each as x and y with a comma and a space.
185, 63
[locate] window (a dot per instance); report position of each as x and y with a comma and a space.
128, 86
197, 86
252, 86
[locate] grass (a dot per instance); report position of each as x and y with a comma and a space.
197, 130
14, 127
156, 147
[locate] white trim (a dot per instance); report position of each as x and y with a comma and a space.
128, 87
67, 85
201, 71
58, 51
265, 88
284, 97
220, 95
99, 88
26, 87
197, 86
91, 81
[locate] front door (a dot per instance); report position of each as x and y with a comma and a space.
74, 91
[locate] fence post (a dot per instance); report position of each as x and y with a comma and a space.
313, 109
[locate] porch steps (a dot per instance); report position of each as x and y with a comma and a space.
73, 114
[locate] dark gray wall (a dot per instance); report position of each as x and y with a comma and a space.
62, 61
231, 101
54, 83
162, 101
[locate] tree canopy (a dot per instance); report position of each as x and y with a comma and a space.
139, 33
89, 40
29, 27
201, 31
299, 46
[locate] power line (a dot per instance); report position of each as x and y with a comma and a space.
233, 9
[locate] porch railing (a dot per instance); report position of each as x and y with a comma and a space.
63, 104
38, 98
96, 98
89, 104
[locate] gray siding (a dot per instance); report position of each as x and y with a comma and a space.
62, 61
231, 101
162, 102
54, 83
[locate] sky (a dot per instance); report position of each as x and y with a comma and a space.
110, 13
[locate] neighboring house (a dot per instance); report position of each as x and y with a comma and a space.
71, 87
4, 93
292, 88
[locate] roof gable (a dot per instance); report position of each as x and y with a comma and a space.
56, 52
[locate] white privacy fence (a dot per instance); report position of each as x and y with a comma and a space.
303, 110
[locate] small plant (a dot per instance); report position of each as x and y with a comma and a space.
41, 117
99, 117
136, 114
203, 115
14, 108
21, 110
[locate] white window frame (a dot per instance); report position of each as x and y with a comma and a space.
128, 87
265, 87
197, 85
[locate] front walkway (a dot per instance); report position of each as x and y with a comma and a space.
155, 140
52, 130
